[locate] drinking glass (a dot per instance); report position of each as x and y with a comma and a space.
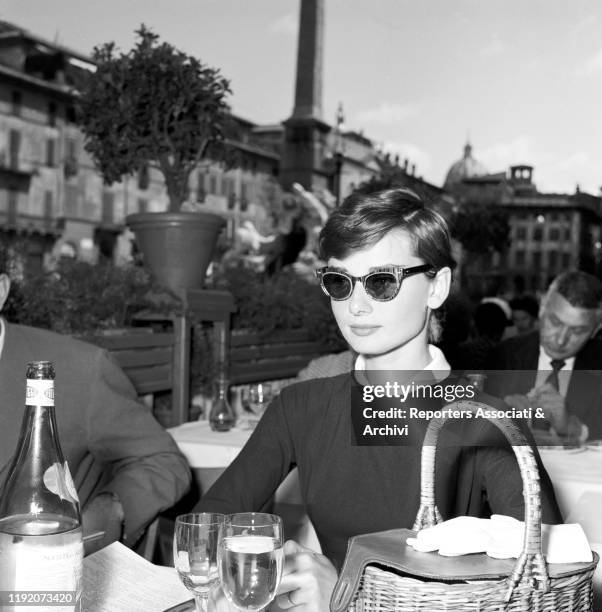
195, 553
255, 399
477, 379
250, 559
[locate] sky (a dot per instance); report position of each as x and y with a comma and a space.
520, 79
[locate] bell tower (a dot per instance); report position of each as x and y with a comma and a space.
305, 132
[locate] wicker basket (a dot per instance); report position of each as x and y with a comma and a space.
381, 572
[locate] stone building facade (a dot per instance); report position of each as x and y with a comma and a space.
549, 232
53, 202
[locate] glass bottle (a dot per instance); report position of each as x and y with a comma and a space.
41, 547
221, 416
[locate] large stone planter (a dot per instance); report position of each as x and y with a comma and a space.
177, 246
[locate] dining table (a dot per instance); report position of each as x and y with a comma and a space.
576, 474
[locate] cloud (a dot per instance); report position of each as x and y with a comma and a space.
592, 66
573, 162
562, 175
498, 157
387, 113
286, 24
552, 173
414, 154
494, 48
586, 23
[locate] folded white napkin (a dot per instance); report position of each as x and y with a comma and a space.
501, 537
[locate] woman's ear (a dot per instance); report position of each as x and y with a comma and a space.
4, 289
440, 285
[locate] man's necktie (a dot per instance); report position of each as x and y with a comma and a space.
552, 379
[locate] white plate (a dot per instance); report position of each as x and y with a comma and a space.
594, 445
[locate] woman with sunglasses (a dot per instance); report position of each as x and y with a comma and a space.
388, 270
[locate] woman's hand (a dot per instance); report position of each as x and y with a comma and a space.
307, 581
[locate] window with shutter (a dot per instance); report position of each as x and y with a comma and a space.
52, 114
244, 196
17, 103
14, 148
50, 152
71, 200
108, 207
13, 203
48, 201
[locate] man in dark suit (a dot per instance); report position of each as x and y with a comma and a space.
100, 423
558, 367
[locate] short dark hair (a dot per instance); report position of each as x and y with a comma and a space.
528, 303
364, 219
578, 288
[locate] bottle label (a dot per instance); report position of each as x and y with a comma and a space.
39, 392
48, 563
57, 479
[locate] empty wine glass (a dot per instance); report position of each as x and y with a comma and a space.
250, 559
255, 399
195, 553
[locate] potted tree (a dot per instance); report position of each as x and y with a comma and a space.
156, 106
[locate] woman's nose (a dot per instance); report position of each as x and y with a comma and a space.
359, 301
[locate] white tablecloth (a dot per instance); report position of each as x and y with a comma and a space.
205, 448
577, 480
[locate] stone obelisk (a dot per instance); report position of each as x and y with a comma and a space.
305, 131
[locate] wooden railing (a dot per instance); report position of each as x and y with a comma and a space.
255, 357
145, 356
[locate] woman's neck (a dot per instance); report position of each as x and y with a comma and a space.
414, 355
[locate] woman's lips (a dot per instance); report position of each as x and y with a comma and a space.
363, 330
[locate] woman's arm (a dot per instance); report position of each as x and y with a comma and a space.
503, 485
249, 482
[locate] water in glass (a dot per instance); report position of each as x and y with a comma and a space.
250, 559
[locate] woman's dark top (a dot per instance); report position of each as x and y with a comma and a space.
350, 489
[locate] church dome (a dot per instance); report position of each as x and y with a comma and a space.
467, 167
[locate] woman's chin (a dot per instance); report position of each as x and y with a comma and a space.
367, 346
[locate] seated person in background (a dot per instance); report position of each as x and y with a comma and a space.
490, 323
389, 270
525, 310
100, 423
554, 367
505, 307
456, 320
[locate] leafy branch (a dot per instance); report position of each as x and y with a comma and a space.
155, 106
